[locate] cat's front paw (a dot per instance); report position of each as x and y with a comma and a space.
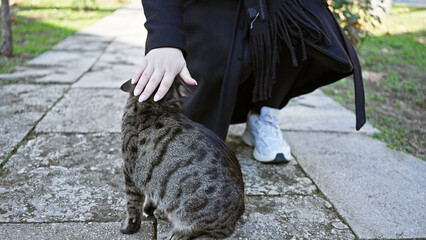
148, 211
130, 225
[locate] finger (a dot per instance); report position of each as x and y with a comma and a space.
139, 71
144, 79
165, 85
152, 84
186, 76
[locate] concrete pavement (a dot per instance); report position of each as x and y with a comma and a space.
60, 134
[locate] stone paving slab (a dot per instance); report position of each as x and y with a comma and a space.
86, 110
58, 177
125, 50
106, 78
62, 75
118, 57
120, 53
289, 217
24, 74
77, 177
116, 65
135, 38
380, 192
43, 74
236, 130
133, 8
66, 66
317, 112
270, 179
413, 3
65, 58
21, 106
54, 67
127, 20
314, 112
73, 231
83, 42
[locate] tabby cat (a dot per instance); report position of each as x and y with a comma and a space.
177, 170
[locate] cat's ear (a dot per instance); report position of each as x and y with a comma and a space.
127, 86
183, 89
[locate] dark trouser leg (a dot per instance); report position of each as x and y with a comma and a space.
287, 76
209, 28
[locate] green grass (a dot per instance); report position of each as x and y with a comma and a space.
395, 137
318, 192
38, 25
395, 99
3, 163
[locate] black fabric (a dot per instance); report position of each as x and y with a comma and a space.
216, 42
281, 88
164, 23
275, 23
209, 60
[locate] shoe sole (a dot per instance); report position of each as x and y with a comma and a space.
279, 158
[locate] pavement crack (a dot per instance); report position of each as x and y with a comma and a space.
31, 132
279, 195
326, 131
97, 59
319, 193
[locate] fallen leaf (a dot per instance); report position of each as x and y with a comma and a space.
421, 40
373, 76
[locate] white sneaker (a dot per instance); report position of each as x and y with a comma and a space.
264, 134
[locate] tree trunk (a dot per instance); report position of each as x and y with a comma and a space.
6, 47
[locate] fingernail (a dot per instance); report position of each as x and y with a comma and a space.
142, 98
196, 83
133, 80
156, 98
137, 91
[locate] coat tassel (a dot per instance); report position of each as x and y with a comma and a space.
285, 22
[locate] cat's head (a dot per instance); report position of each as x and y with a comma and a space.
172, 101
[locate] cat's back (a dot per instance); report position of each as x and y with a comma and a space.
179, 144
188, 167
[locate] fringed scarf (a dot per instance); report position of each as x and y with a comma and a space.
273, 22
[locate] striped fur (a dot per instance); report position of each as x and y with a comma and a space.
179, 170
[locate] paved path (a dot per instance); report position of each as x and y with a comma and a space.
413, 3
60, 122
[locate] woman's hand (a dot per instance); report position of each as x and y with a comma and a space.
160, 67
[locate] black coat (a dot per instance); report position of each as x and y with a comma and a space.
212, 34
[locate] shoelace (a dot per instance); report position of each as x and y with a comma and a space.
269, 127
